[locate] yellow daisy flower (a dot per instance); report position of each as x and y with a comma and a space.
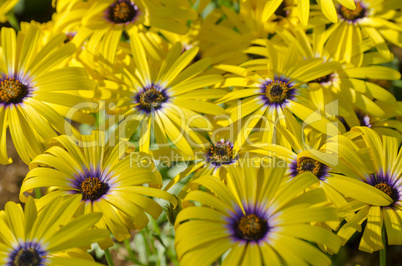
105, 21
34, 89
47, 237
257, 219
272, 88
307, 151
377, 165
166, 97
372, 19
221, 152
91, 170
348, 86
117, 14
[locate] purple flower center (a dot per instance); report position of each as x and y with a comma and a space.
249, 224
27, 254
277, 92
251, 227
122, 11
151, 98
306, 164
352, 15
92, 188
221, 153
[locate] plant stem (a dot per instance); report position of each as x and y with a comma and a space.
109, 257
152, 243
383, 258
38, 194
130, 251
147, 248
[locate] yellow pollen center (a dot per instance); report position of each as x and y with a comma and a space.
12, 91
387, 189
276, 91
221, 153
92, 188
305, 164
252, 227
151, 98
352, 14
122, 12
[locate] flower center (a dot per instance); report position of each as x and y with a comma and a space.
220, 153
12, 91
92, 188
387, 189
305, 164
277, 91
151, 98
251, 227
352, 15
27, 257
122, 11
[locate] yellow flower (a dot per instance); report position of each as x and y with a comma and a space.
93, 171
272, 88
346, 89
166, 96
221, 152
373, 20
307, 151
377, 165
117, 14
104, 22
35, 89
47, 237
256, 217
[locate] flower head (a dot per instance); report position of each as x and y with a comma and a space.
94, 172
167, 95
272, 89
122, 12
255, 216
35, 89
352, 16
370, 20
32, 238
377, 166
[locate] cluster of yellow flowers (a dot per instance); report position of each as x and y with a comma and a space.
290, 142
